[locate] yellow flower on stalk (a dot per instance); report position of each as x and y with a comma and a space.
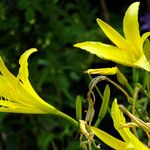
128, 50
17, 94
130, 141
109, 71
103, 71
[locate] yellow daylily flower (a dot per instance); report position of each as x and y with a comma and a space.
130, 141
17, 94
128, 50
126, 134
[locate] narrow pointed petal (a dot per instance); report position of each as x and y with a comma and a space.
108, 139
7, 106
131, 27
112, 34
146, 49
10, 93
119, 121
106, 51
145, 36
103, 71
23, 71
126, 134
6, 73
143, 63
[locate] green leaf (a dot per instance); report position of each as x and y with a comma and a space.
119, 121
104, 106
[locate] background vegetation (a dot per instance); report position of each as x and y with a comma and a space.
56, 70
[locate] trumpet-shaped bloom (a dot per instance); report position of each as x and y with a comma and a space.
128, 50
18, 96
130, 141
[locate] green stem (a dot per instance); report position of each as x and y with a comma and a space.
135, 97
145, 104
96, 88
120, 88
101, 78
146, 81
130, 89
135, 75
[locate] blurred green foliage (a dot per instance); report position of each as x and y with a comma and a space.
56, 70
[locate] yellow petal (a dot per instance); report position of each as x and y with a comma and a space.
145, 36
131, 28
103, 71
113, 35
108, 52
119, 121
146, 49
6, 73
7, 106
41, 104
7, 90
35, 101
11, 93
126, 134
23, 71
108, 139
143, 63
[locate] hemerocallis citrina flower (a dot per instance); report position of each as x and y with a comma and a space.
17, 94
128, 50
130, 141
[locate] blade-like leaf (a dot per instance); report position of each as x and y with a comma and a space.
104, 106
